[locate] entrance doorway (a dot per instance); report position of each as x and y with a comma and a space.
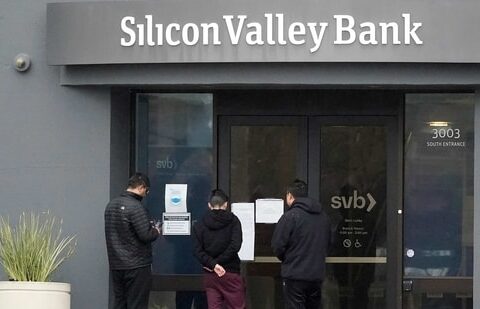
351, 164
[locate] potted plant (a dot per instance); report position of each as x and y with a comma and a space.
29, 253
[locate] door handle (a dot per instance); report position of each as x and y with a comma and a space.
407, 285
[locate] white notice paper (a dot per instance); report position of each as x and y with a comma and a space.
175, 198
245, 213
268, 210
176, 223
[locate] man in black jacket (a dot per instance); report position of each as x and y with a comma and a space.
129, 235
217, 240
301, 241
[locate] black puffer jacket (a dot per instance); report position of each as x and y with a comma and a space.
217, 240
301, 240
128, 233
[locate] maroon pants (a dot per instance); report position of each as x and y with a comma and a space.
226, 291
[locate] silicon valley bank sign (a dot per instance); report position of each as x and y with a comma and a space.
229, 31
272, 30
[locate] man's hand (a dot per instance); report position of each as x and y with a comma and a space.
219, 270
158, 227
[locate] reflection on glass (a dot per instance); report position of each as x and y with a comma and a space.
263, 163
174, 146
353, 191
437, 301
438, 200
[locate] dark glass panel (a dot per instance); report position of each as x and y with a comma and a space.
353, 191
438, 209
263, 163
174, 146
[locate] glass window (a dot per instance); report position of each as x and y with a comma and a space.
174, 146
438, 209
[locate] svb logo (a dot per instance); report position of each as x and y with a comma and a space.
355, 201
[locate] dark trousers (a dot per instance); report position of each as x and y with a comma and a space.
227, 291
185, 299
131, 288
300, 294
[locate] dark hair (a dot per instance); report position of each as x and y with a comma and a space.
138, 180
298, 188
218, 197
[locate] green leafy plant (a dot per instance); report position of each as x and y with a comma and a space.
35, 248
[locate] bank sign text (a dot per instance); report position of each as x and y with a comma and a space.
272, 30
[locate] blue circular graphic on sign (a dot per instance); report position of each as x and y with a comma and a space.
175, 200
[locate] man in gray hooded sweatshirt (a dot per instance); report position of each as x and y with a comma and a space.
301, 241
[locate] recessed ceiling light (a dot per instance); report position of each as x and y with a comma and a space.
438, 123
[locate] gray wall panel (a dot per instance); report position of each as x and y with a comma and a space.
310, 74
55, 149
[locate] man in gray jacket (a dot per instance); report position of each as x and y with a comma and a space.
129, 235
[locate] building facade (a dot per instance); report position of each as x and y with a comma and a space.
375, 104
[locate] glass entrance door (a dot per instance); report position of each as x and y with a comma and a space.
258, 157
351, 165
355, 160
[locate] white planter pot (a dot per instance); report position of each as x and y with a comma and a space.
34, 295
